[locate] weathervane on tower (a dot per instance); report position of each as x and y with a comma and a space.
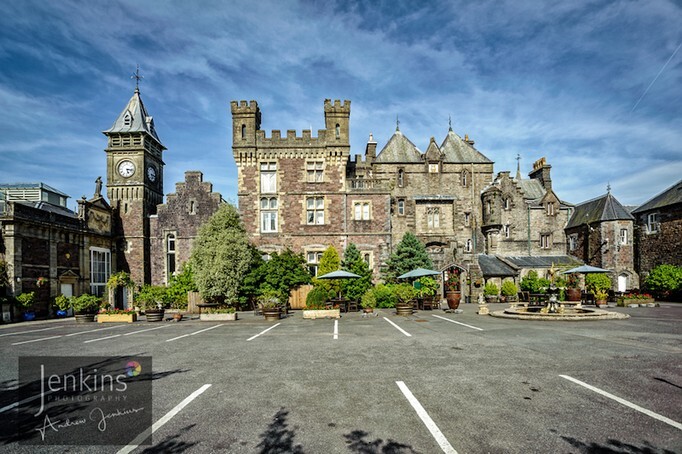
137, 78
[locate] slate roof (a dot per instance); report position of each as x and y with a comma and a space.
604, 208
44, 186
492, 266
532, 189
542, 261
671, 196
399, 149
141, 121
457, 150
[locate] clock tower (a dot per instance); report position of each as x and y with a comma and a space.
134, 185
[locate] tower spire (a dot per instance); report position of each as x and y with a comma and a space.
449, 123
397, 123
518, 166
137, 78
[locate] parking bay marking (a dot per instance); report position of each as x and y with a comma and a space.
426, 419
336, 329
167, 417
398, 328
196, 332
65, 335
662, 418
29, 331
459, 323
263, 332
126, 334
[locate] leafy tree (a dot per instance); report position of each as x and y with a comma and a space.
532, 283
249, 289
179, 285
282, 273
409, 254
221, 256
353, 289
329, 262
664, 280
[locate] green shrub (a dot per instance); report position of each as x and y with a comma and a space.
150, 297
509, 288
86, 303
26, 300
369, 299
384, 296
404, 292
664, 280
316, 298
429, 286
596, 282
534, 284
490, 289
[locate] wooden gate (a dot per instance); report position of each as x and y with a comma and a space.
298, 296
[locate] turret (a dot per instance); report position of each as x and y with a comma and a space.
246, 119
336, 121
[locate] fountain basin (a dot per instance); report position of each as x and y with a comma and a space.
569, 314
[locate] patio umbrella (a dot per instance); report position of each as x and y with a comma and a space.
339, 274
586, 269
419, 272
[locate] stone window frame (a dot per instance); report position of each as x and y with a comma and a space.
314, 170
313, 257
368, 257
268, 170
468, 245
401, 207
506, 230
269, 212
464, 178
315, 210
572, 241
623, 236
506, 203
171, 250
192, 210
467, 219
401, 177
550, 209
432, 166
99, 276
545, 241
364, 208
433, 217
653, 223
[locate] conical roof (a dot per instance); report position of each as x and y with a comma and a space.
604, 208
457, 150
134, 118
399, 149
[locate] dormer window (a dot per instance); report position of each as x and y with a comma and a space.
127, 119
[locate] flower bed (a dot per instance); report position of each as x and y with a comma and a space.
117, 317
635, 298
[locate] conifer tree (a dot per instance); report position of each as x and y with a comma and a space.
353, 289
409, 254
329, 262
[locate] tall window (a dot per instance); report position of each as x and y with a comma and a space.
361, 211
467, 219
506, 230
401, 207
313, 260
268, 214
100, 270
623, 236
465, 178
243, 131
550, 209
468, 245
572, 242
314, 171
545, 241
338, 130
506, 203
401, 178
652, 224
170, 255
315, 210
268, 177
433, 217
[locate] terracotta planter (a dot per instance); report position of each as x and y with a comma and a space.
453, 299
177, 316
117, 318
367, 310
573, 294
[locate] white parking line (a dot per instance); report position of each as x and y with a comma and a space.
92, 331
336, 329
426, 419
669, 421
29, 331
398, 328
167, 417
36, 340
16, 404
263, 332
143, 330
196, 332
459, 323
101, 338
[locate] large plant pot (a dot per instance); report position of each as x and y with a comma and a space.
28, 316
453, 299
404, 309
221, 317
573, 294
117, 318
272, 314
85, 318
155, 315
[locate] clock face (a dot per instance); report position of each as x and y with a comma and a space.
151, 173
126, 168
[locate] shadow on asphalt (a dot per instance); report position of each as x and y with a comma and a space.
172, 444
358, 443
615, 447
278, 438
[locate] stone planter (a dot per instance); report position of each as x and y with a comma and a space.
154, 315
117, 318
312, 314
218, 317
404, 309
491, 299
84, 318
625, 302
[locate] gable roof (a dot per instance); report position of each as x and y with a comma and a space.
604, 208
399, 149
458, 150
134, 118
671, 196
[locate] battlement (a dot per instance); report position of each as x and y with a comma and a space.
306, 138
245, 107
337, 107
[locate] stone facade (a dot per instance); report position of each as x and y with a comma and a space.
177, 222
658, 230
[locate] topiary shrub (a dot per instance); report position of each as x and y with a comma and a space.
490, 289
316, 298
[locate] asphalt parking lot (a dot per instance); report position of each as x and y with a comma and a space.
429, 383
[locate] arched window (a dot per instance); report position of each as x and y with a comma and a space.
465, 178
243, 131
170, 255
338, 130
401, 178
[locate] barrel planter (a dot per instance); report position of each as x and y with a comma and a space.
453, 298
154, 315
85, 317
404, 309
272, 314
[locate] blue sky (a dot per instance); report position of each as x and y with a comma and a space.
589, 85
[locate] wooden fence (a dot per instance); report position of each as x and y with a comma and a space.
298, 296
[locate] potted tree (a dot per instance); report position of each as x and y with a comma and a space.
61, 302
600, 297
404, 293
491, 293
270, 305
572, 288
368, 301
509, 292
151, 298
598, 284
428, 287
25, 301
453, 292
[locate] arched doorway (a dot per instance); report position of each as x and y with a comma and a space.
453, 278
622, 282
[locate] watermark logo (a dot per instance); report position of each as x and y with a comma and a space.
83, 400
